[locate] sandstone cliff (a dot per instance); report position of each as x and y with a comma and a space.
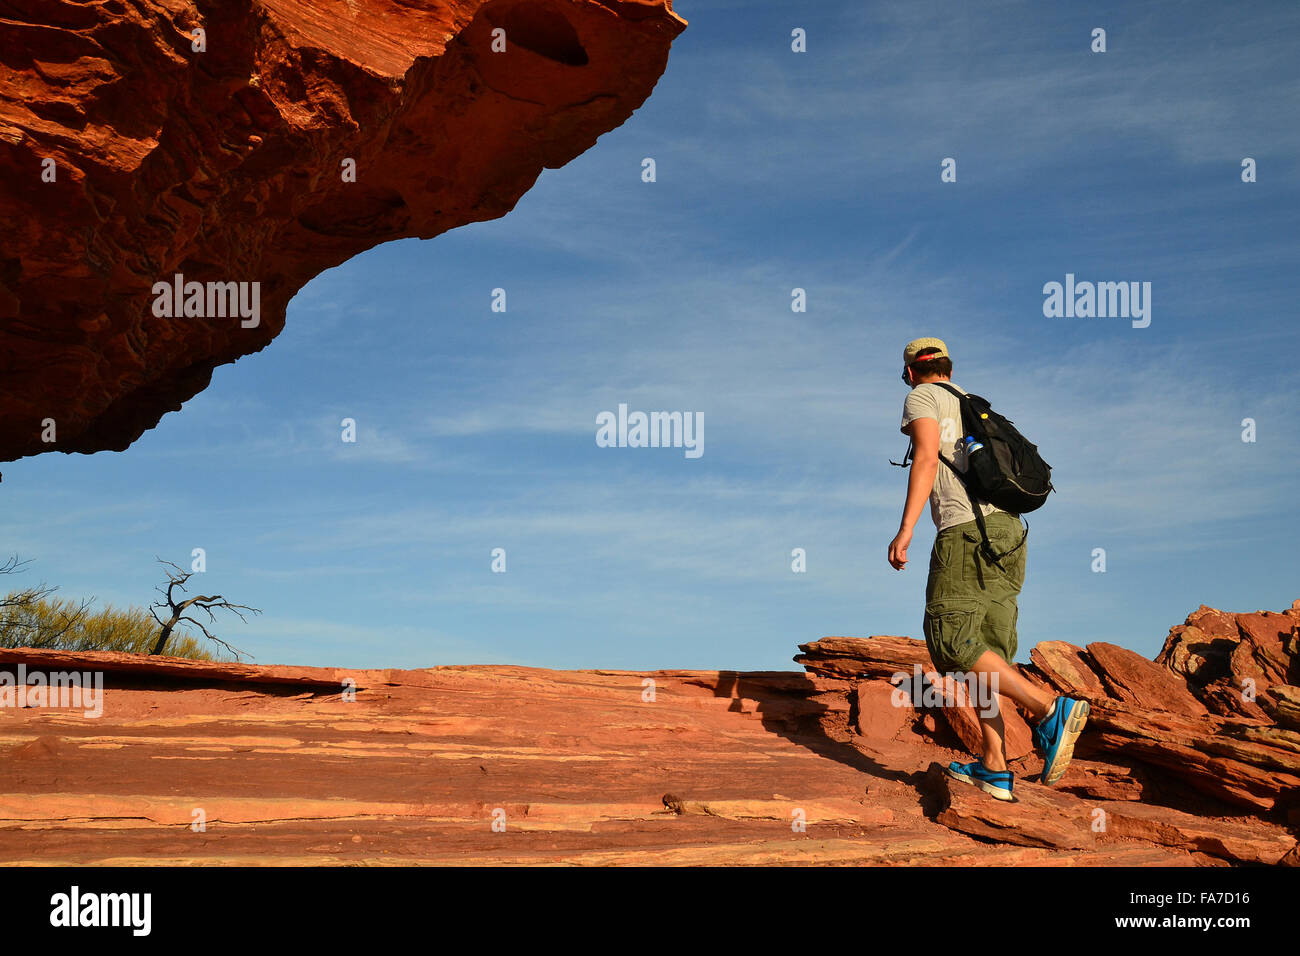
215, 140
219, 763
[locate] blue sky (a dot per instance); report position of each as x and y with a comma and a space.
775, 170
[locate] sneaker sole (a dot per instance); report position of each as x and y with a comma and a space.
1073, 727
984, 785
994, 791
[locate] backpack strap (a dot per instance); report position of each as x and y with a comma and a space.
907, 456
986, 546
948, 388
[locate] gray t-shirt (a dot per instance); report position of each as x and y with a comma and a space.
949, 503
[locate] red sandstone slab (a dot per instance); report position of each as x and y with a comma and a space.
1130, 677
1069, 669
180, 668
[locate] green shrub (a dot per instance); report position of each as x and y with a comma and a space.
70, 626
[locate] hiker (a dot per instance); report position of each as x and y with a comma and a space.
977, 567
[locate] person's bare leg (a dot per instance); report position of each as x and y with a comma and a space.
1011, 684
995, 751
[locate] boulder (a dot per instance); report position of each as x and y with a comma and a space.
1068, 669
1130, 677
881, 714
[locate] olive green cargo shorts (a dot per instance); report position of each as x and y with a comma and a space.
970, 605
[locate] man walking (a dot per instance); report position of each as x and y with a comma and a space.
970, 603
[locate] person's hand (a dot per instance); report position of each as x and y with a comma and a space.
898, 548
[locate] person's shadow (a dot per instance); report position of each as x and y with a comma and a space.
788, 706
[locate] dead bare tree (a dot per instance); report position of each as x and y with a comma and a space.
178, 610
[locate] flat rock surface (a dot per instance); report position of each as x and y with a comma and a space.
573, 765
195, 762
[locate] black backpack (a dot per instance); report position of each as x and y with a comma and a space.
1007, 472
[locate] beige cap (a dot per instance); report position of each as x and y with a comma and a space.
914, 346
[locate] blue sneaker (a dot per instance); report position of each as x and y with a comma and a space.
995, 782
1054, 736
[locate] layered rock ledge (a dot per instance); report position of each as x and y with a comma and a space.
333, 766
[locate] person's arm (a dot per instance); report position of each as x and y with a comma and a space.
924, 433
